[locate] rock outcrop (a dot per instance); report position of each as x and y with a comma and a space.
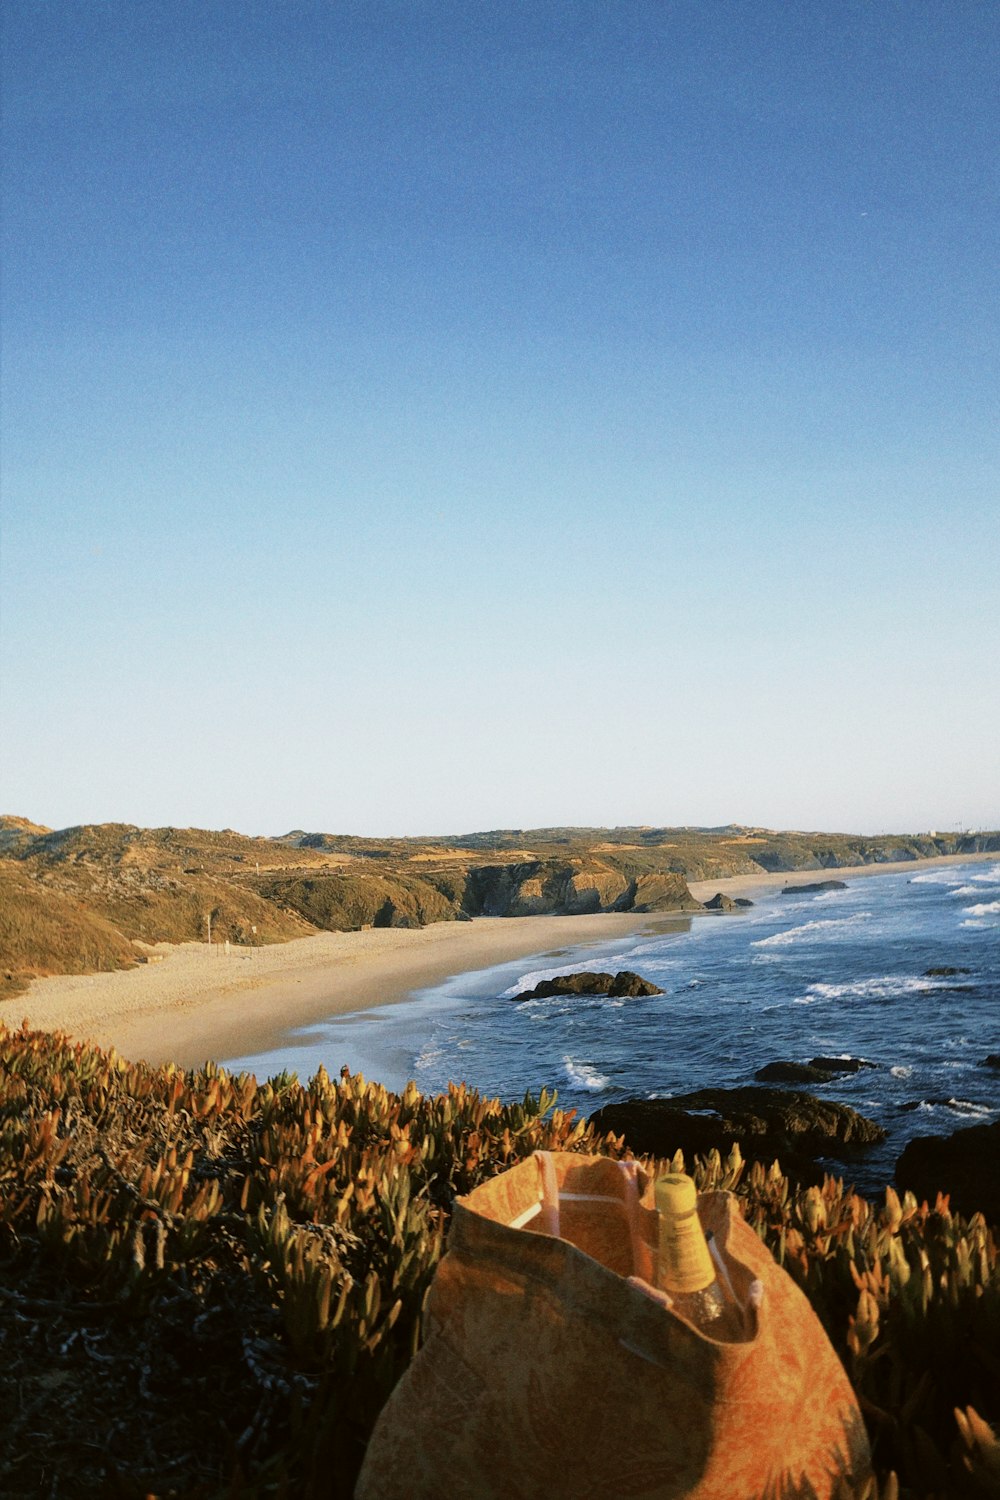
793, 1072
841, 1064
721, 902
623, 985
965, 1165
571, 887
815, 885
767, 1123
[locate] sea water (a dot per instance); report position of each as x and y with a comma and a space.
833, 973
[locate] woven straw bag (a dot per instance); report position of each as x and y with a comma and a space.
552, 1368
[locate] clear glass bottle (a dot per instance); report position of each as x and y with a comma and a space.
699, 1289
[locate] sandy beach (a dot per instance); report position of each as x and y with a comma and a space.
192, 1002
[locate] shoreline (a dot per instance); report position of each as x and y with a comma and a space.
194, 1003
746, 885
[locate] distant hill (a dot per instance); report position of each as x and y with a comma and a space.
75, 900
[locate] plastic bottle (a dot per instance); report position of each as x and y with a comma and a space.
699, 1289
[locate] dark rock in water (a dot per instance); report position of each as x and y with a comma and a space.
815, 885
945, 973
742, 901
965, 1165
767, 1123
623, 985
792, 1072
992, 1061
721, 902
841, 1064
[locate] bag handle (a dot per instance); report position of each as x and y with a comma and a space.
550, 1198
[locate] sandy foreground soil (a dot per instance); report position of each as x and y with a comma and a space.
193, 1002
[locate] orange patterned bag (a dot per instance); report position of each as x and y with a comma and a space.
553, 1368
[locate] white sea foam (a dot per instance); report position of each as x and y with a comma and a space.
959, 1106
809, 931
583, 1076
938, 877
880, 987
901, 1072
988, 877
975, 922
429, 1054
967, 890
984, 909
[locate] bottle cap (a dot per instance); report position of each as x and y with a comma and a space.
675, 1194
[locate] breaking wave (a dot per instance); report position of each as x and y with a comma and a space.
583, 1076
984, 909
808, 930
882, 987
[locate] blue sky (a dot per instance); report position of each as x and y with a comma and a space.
434, 416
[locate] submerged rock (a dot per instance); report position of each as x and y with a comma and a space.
992, 1060
814, 885
965, 1165
767, 1123
623, 985
944, 973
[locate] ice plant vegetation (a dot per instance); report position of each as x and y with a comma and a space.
209, 1286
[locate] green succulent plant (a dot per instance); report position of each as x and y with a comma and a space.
244, 1267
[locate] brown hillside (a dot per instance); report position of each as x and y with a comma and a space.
43, 931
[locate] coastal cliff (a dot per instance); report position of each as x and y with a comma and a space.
95, 897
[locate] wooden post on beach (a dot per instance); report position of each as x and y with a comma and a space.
208, 919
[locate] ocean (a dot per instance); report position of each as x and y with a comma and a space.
834, 973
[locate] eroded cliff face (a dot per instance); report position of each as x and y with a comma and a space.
572, 888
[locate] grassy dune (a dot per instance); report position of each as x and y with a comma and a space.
52, 934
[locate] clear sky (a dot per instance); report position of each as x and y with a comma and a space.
430, 415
